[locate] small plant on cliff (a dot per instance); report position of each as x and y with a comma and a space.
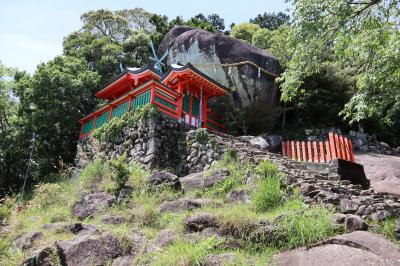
230, 156
110, 131
121, 172
201, 135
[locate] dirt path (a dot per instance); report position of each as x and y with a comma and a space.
382, 170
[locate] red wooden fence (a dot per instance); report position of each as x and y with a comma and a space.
319, 151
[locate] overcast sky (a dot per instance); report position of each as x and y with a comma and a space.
32, 31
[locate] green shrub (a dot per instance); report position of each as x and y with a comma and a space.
201, 135
268, 194
267, 169
137, 176
97, 176
230, 155
47, 195
213, 143
121, 172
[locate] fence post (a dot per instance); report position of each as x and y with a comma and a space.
304, 150
351, 151
332, 145
310, 155
288, 151
328, 151
298, 150
293, 150
322, 151
347, 149
315, 152
337, 146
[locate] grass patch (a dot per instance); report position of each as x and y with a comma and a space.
97, 176
387, 228
268, 193
185, 253
9, 254
304, 226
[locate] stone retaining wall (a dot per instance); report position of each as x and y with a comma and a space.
158, 142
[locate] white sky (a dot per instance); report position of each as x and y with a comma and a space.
32, 31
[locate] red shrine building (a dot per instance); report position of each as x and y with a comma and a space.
181, 94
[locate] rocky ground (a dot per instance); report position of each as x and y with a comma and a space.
210, 217
382, 170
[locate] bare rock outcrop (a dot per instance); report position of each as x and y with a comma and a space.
253, 91
357, 248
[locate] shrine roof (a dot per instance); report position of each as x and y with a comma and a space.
193, 73
121, 83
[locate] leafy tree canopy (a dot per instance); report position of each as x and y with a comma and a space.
362, 36
244, 31
271, 21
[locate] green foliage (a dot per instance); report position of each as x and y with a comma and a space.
244, 31
235, 121
185, 253
52, 109
6, 208
97, 176
230, 156
47, 195
267, 169
268, 193
262, 38
121, 172
362, 37
387, 228
9, 254
271, 21
276, 42
305, 226
201, 135
111, 130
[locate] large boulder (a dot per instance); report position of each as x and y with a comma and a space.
220, 259
164, 178
93, 203
200, 221
27, 241
89, 250
357, 248
42, 256
202, 180
187, 204
255, 93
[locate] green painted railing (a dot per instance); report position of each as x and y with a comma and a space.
102, 119
120, 109
141, 100
88, 126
